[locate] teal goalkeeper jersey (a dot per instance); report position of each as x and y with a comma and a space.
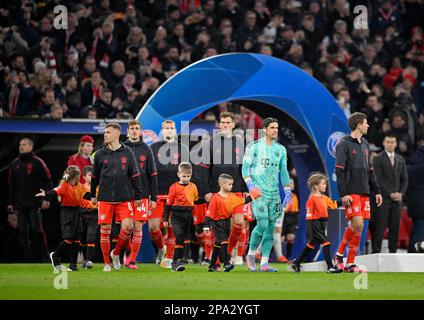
264, 164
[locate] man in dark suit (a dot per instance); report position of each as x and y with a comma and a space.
415, 193
390, 169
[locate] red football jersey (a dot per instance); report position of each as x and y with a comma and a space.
86, 203
71, 196
80, 162
182, 195
223, 207
317, 207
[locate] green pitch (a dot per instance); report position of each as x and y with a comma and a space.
36, 281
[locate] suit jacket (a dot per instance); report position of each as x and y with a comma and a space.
390, 178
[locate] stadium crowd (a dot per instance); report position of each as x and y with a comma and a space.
115, 54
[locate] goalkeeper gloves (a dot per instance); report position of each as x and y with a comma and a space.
287, 197
253, 190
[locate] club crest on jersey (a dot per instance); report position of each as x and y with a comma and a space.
123, 162
102, 217
29, 168
332, 142
356, 209
142, 157
277, 154
308, 212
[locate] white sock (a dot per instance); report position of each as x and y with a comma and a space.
277, 244
259, 249
264, 260
251, 252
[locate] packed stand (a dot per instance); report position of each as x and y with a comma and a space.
115, 54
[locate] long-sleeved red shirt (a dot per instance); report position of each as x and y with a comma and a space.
317, 207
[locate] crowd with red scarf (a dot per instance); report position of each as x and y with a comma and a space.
115, 54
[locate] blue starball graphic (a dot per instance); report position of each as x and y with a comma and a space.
305, 109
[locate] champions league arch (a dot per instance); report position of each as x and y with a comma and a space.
311, 122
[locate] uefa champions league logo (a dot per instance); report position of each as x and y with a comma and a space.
332, 142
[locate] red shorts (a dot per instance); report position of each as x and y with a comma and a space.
248, 215
246, 209
199, 212
140, 213
359, 207
160, 208
106, 210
